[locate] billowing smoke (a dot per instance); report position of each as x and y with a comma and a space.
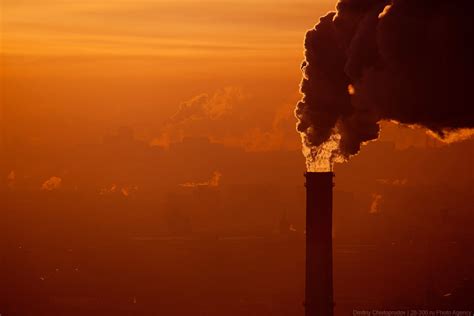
408, 61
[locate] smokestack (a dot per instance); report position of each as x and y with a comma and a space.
319, 282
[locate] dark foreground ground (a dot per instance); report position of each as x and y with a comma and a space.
208, 275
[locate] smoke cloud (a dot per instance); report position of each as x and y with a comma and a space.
51, 184
232, 116
408, 61
205, 106
203, 116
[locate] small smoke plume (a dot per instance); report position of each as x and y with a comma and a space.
408, 61
203, 115
212, 182
205, 106
111, 189
115, 189
51, 184
231, 116
375, 205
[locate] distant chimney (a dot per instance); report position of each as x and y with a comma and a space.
319, 274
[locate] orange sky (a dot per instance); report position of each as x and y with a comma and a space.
74, 71
186, 28
67, 64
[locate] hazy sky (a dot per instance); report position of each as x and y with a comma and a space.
74, 70
79, 77
186, 28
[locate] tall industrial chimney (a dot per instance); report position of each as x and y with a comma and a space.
319, 282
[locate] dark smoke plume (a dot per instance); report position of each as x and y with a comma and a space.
408, 61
